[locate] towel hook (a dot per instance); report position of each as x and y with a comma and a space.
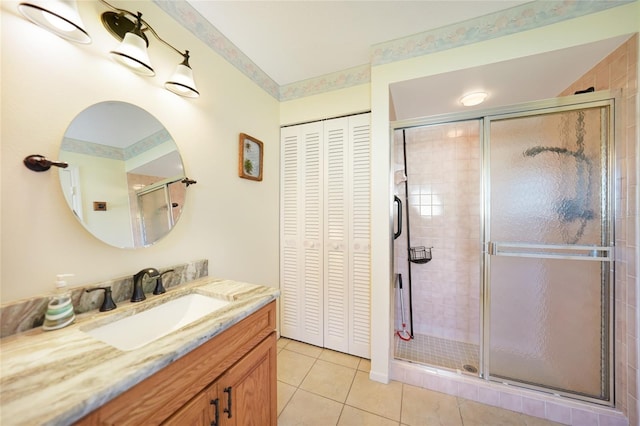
39, 163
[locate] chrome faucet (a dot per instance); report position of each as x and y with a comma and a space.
138, 280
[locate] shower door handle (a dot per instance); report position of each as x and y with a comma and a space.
399, 203
551, 251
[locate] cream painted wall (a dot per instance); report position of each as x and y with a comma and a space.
613, 22
46, 81
326, 105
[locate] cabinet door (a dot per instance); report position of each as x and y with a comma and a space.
248, 390
201, 410
301, 260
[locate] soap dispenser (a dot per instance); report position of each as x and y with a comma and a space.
60, 308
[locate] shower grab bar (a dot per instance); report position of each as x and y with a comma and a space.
551, 251
399, 231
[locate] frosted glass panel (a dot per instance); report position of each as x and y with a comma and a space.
546, 178
545, 323
548, 314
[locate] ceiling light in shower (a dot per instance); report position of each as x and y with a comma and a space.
473, 98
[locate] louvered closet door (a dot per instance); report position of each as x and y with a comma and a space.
336, 236
325, 234
301, 267
359, 220
347, 234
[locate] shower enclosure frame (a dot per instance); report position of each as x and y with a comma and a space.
484, 117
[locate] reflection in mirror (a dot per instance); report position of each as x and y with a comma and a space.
123, 180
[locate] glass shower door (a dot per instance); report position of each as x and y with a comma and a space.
155, 212
548, 263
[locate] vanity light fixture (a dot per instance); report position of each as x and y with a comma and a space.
60, 17
473, 98
132, 50
181, 82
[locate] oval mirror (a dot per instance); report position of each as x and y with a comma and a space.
124, 177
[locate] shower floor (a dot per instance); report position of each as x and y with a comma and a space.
438, 352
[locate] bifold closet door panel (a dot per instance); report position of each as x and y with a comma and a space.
336, 235
359, 220
301, 259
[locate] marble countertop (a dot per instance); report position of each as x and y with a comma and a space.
58, 377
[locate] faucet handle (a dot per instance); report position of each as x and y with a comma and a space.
159, 286
107, 303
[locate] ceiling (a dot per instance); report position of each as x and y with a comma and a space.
296, 40
511, 82
292, 41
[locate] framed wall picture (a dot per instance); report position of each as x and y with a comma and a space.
250, 161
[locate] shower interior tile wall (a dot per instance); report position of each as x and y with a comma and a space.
443, 165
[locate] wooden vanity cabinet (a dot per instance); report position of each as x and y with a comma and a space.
230, 380
240, 397
203, 409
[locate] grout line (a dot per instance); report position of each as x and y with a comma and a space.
288, 402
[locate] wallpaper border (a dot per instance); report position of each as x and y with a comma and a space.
520, 18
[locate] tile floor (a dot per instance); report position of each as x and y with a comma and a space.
321, 387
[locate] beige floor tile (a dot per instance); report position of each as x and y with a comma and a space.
365, 365
377, 398
282, 342
351, 416
293, 367
340, 358
312, 383
475, 414
423, 407
308, 409
285, 392
329, 380
304, 349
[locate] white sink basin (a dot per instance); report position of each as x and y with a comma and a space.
144, 327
